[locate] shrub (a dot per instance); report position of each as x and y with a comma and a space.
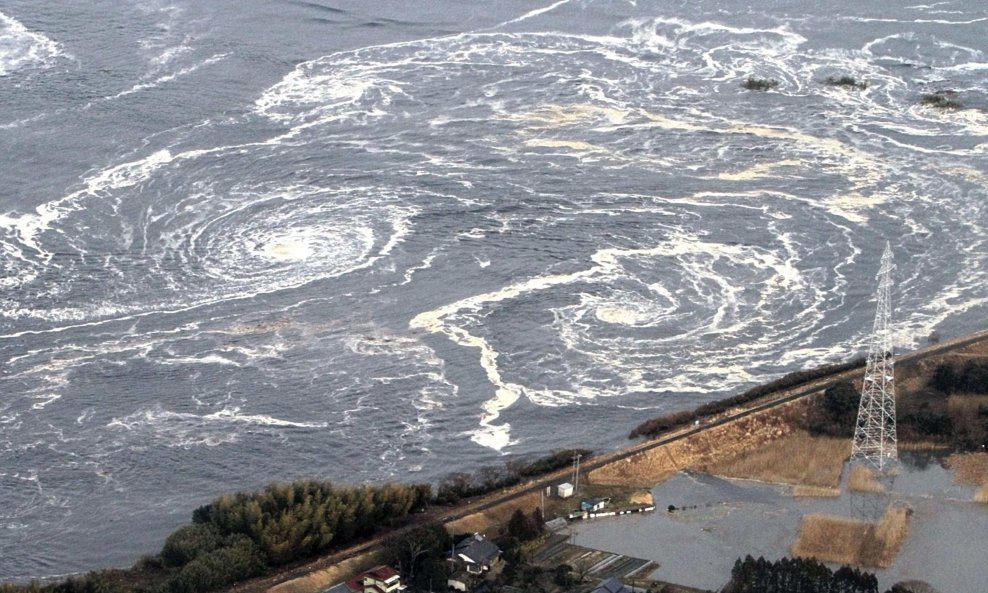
187, 543
837, 411
760, 84
846, 81
240, 559
940, 100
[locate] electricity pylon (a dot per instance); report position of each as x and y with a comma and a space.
874, 433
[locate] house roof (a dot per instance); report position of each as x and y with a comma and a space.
612, 585
478, 549
339, 588
380, 573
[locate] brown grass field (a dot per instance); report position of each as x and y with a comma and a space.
846, 541
489, 521
969, 468
815, 492
797, 458
863, 479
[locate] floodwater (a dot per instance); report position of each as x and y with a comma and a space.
721, 520
244, 241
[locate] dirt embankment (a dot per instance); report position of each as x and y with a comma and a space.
728, 441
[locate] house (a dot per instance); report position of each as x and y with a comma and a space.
612, 585
380, 579
594, 504
475, 553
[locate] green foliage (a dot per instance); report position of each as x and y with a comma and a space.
759, 84
525, 527
293, 521
846, 81
187, 543
940, 100
837, 412
562, 575
807, 576
969, 377
655, 427
239, 559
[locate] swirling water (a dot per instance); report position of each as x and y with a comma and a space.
250, 241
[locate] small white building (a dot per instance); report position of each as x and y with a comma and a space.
565, 490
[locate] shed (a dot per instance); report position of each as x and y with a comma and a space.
594, 504
565, 490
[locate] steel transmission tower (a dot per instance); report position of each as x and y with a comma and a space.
874, 432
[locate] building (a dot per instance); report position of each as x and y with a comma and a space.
565, 490
612, 585
593, 505
380, 579
471, 558
475, 553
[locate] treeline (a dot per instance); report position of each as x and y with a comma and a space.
796, 574
942, 413
971, 377
458, 486
242, 535
655, 427
836, 413
925, 414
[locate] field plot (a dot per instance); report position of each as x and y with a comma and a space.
797, 458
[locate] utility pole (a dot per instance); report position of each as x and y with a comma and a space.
576, 472
875, 439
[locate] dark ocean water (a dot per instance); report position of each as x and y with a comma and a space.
253, 241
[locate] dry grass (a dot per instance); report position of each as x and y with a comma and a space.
653, 466
864, 479
490, 520
846, 541
815, 492
644, 498
969, 468
982, 495
966, 404
320, 580
795, 459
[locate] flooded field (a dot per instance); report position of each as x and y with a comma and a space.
718, 520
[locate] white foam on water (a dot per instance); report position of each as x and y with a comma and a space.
166, 78
21, 48
185, 429
534, 13
455, 319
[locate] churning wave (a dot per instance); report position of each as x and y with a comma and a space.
23, 49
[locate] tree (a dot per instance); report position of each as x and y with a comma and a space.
419, 552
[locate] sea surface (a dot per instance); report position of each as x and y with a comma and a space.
247, 241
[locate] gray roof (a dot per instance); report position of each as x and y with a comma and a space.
338, 588
612, 585
479, 549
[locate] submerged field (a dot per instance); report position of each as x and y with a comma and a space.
723, 519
